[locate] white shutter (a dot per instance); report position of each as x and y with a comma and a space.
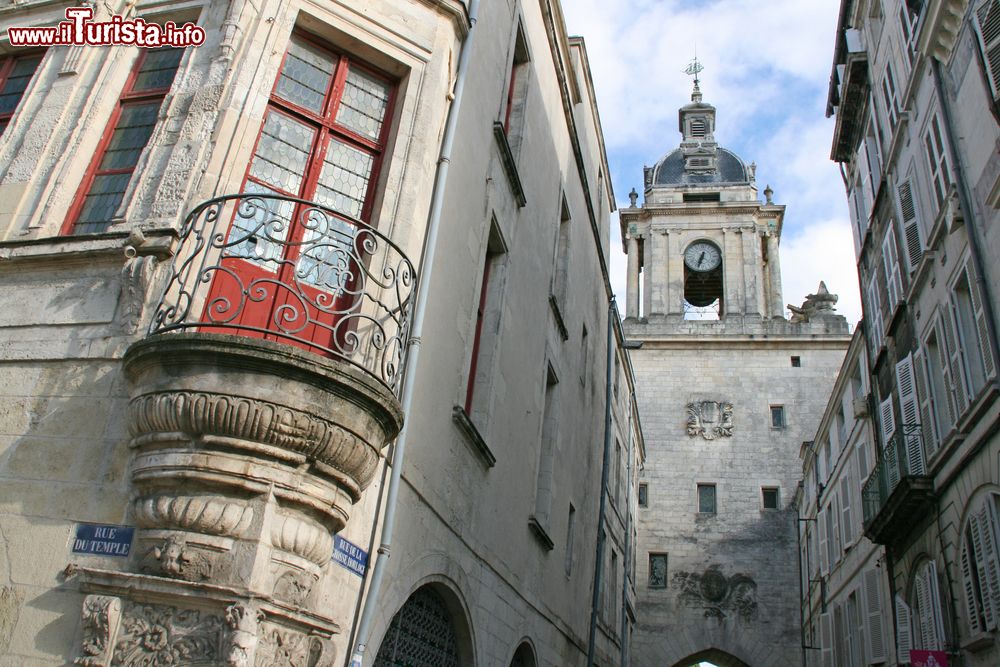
928, 420
989, 363
846, 524
904, 636
911, 226
826, 640
873, 316
909, 414
956, 360
945, 362
888, 415
838, 545
925, 614
990, 560
988, 31
832, 536
935, 617
969, 587
873, 610
824, 559
893, 280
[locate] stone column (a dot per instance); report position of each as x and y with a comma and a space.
751, 262
730, 274
658, 271
775, 306
647, 262
632, 287
675, 275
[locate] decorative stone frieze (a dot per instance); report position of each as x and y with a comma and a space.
101, 617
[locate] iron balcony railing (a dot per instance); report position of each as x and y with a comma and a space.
285, 269
902, 457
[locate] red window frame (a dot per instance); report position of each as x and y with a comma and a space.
326, 129
7, 65
129, 97
477, 337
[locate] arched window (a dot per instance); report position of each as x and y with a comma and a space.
421, 634
981, 564
927, 618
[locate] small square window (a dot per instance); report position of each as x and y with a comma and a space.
777, 416
657, 570
643, 494
706, 498
769, 497
796, 362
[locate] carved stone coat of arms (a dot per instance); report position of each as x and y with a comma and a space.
710, 419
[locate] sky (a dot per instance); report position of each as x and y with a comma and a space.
767, 70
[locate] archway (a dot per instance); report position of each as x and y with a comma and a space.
523, 656
712, 656
425, 633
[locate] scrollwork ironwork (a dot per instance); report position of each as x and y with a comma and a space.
322, 280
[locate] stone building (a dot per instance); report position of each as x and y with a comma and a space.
728, 389
215, 262
846, 605
915, 92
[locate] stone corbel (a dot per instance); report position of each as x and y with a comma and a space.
101, 617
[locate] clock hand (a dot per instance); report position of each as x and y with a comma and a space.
701, 258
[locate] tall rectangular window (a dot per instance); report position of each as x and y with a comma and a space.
988, 32
517, 87
486, 328
937, 161
643, 494
127, 134
889, 99
15, 75
657, 570
546, 461
769, 497
560, 258
777, 416
706, 499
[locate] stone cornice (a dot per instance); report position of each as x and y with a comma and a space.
456, 11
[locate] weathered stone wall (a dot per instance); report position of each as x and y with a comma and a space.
732, 577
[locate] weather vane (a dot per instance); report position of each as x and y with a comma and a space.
694, 68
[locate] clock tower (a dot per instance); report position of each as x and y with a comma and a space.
728, 388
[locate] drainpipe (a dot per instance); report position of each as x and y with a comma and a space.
601, 536
371, 604
965, 201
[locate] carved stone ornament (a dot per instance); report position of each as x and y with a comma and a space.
157, 636
244, 624
717, 595
710, 419
280, 647
294, 587
174, 559
101, 616
214, 515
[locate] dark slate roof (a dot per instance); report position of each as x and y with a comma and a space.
670, 171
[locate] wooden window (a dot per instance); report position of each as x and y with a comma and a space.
15, 75
988, 32
131, 125
970, 318
643, 494
872, 582
544, 490
322, 139
657, 570
890, 100
769, 497
980, 563
517, 85
937, 161
928, 620
706, 499
911, 226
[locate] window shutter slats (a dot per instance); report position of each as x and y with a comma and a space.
911, 228
923, 610
928, 424
846, 525
909, 413
989, 363
987, 523
904, 637
977, 529
945, 362
888, 415
873, 610
893, 280
826, 640
824, 560
968, 586
988, 24
936, 614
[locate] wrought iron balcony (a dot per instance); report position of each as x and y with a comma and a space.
284, 269
899, 490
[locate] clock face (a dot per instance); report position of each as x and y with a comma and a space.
702, 256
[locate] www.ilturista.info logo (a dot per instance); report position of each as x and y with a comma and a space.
79, 29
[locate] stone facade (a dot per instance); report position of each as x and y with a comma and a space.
728, 389
915, 100
240, 457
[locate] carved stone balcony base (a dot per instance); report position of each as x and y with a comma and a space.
131, 619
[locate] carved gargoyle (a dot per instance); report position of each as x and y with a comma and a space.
816, 305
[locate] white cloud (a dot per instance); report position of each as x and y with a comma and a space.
767, 66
